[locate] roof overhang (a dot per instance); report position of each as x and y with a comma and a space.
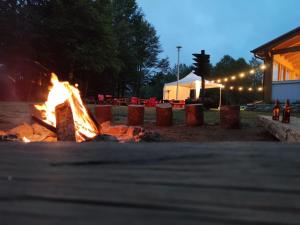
286, 43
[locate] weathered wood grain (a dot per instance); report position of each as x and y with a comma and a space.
287, 132
107, 183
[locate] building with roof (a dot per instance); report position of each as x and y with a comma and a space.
282, 74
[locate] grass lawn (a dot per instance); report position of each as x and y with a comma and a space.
210, 116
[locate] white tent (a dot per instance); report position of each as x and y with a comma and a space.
185, 85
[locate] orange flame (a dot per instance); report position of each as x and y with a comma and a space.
58, 94
26, 140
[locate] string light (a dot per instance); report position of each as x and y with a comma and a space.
241, 75
241, 88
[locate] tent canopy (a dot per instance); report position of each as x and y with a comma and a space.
185, 85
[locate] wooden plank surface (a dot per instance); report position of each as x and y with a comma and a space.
159, 183
287, 132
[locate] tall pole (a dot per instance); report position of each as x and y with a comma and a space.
178, 49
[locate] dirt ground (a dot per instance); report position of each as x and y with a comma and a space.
210, 133
15, 113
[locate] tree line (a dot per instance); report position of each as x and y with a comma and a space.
106, 46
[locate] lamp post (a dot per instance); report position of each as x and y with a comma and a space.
178, 49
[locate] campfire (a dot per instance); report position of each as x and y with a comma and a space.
64, 117
63, 105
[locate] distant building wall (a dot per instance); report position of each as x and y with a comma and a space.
283, 90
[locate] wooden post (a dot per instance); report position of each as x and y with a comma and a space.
194, 114
164, 114
103, 113
230, 117
135, 115
65, 127
267, 81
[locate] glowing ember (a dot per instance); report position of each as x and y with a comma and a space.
26, 140
58, 94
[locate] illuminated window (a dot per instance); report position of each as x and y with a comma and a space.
275, 71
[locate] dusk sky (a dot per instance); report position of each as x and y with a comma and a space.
233, 27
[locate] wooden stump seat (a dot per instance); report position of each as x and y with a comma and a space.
194, 114
135, 115
103, 113
230, 117
164, 114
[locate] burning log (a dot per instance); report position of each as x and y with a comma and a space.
164, 114
121, 132
24, 130
135, 115
194, 114
44, 124
103, 113
35, 113
65, 127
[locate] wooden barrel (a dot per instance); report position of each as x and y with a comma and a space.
230, 117
103, 113
164, 114
135, 115
194, 114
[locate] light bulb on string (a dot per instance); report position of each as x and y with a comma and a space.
263, 67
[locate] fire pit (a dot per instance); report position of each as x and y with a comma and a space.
64, 117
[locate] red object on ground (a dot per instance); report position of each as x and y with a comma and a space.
101, 99
135, 101
178, 104
108, 99
151, 102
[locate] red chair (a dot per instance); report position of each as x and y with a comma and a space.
147, 103
135, 100
101, 99
108, 99
153, 102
